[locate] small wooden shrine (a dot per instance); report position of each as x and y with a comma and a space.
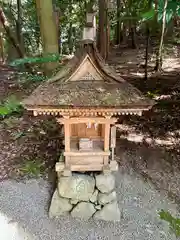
87, 97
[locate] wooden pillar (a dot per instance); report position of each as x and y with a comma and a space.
67, 136
106, 137
113, 140
67, 169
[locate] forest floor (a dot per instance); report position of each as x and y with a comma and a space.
150, 144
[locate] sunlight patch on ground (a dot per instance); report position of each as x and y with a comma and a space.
10, 230
129, 133
137, 74
171, 64
162, 97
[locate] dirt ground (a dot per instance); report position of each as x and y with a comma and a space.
149, 143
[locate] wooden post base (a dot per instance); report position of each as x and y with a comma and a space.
67, 171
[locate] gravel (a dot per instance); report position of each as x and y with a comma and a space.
27, 203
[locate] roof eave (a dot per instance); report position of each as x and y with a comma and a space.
84, 111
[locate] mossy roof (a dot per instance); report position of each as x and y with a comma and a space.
112, 92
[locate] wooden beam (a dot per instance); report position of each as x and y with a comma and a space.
60, 167
88, 153
87, 120
79, 167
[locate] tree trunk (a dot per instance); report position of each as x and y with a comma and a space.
147, 52
10, 36
70, 30
101, 28
132, 31
124, 33
107, 30
159, 53
147, 44
2, 48
59, 29
155, 28
70, 35
19, 25
48, 31
118, 26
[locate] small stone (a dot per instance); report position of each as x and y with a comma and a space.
59, 206
104, 198
42, 132
83, 210
98, 207
110, 212
105, 183
93, 198
74, 201
61, 158
77, 186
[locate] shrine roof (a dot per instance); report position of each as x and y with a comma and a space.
87, 81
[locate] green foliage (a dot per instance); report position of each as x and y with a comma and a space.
173, 9
148, 15
26, 77
36, 60
11, 105
174, 223
151, 94
32, 168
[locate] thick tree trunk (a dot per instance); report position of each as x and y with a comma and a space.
104, 29
147, 51
147, 43
101, 27
19, 25
58, 16
70, 35
48, 30
155, 27
124, 33
70, 30
159, 53
2, 48
107, 29
10, 36
132, 31
118, 26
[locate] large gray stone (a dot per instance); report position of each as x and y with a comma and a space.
93, 198
105, 183
78, 186
74, 201
104, 198
59, 206
83, 210
98, 207
110, 212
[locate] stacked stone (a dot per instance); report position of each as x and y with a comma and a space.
84, 196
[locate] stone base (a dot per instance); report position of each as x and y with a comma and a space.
85, 196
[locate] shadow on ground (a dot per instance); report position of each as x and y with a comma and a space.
153, 163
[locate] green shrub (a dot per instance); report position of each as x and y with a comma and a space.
174, 222
25, 77
32, 168
36, 60
11, 105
